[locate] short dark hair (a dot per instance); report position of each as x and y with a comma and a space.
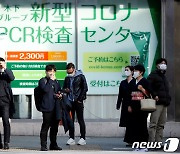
160, 60
130, 67
2, 59
140, 68
70, 65
50, 67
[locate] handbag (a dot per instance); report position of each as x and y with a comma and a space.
148, 104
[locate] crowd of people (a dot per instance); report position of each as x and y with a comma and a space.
60, 104
131, 91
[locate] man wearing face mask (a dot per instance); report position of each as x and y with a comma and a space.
6, 101
76, 87
160, 92
50, 107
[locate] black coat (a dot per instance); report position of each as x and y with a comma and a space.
49, 88
137, 122
159, 87
7, 76
124, 94
135, 104
79, 86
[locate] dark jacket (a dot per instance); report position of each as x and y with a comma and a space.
77, 85
135, 104
49, 88
7, 76
137, 123
66, 118
159, 87
124, 94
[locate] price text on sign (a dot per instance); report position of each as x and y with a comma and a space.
34, 56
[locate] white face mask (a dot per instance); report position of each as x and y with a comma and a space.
136, 74
162, 66
127, 73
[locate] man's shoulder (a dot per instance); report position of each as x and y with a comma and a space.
7, 70
43, 79
79, 75
67, 77
153, 74
82, 76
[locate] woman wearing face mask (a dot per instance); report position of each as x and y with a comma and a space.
139, 90
122, 101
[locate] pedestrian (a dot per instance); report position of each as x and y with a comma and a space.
7, 108
50, 107
160, 92
139, 90
76, 87
124, 94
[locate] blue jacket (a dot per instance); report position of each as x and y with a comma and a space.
49, 88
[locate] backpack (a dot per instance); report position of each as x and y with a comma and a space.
38, 96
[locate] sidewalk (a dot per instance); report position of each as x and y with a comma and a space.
94, 128
98, 145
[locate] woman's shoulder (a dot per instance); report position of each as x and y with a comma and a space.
133, 81
124, 81
143, 81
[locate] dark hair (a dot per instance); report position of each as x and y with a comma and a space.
130, 67
160, 60
70, 65
2, 59
140, 68
50, 67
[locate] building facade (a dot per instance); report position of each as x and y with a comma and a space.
100, 37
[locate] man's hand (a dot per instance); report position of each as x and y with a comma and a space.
52, 77
67, 90
156, 98
129, 109
60, 122
117, 107
2, 65
58, 95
